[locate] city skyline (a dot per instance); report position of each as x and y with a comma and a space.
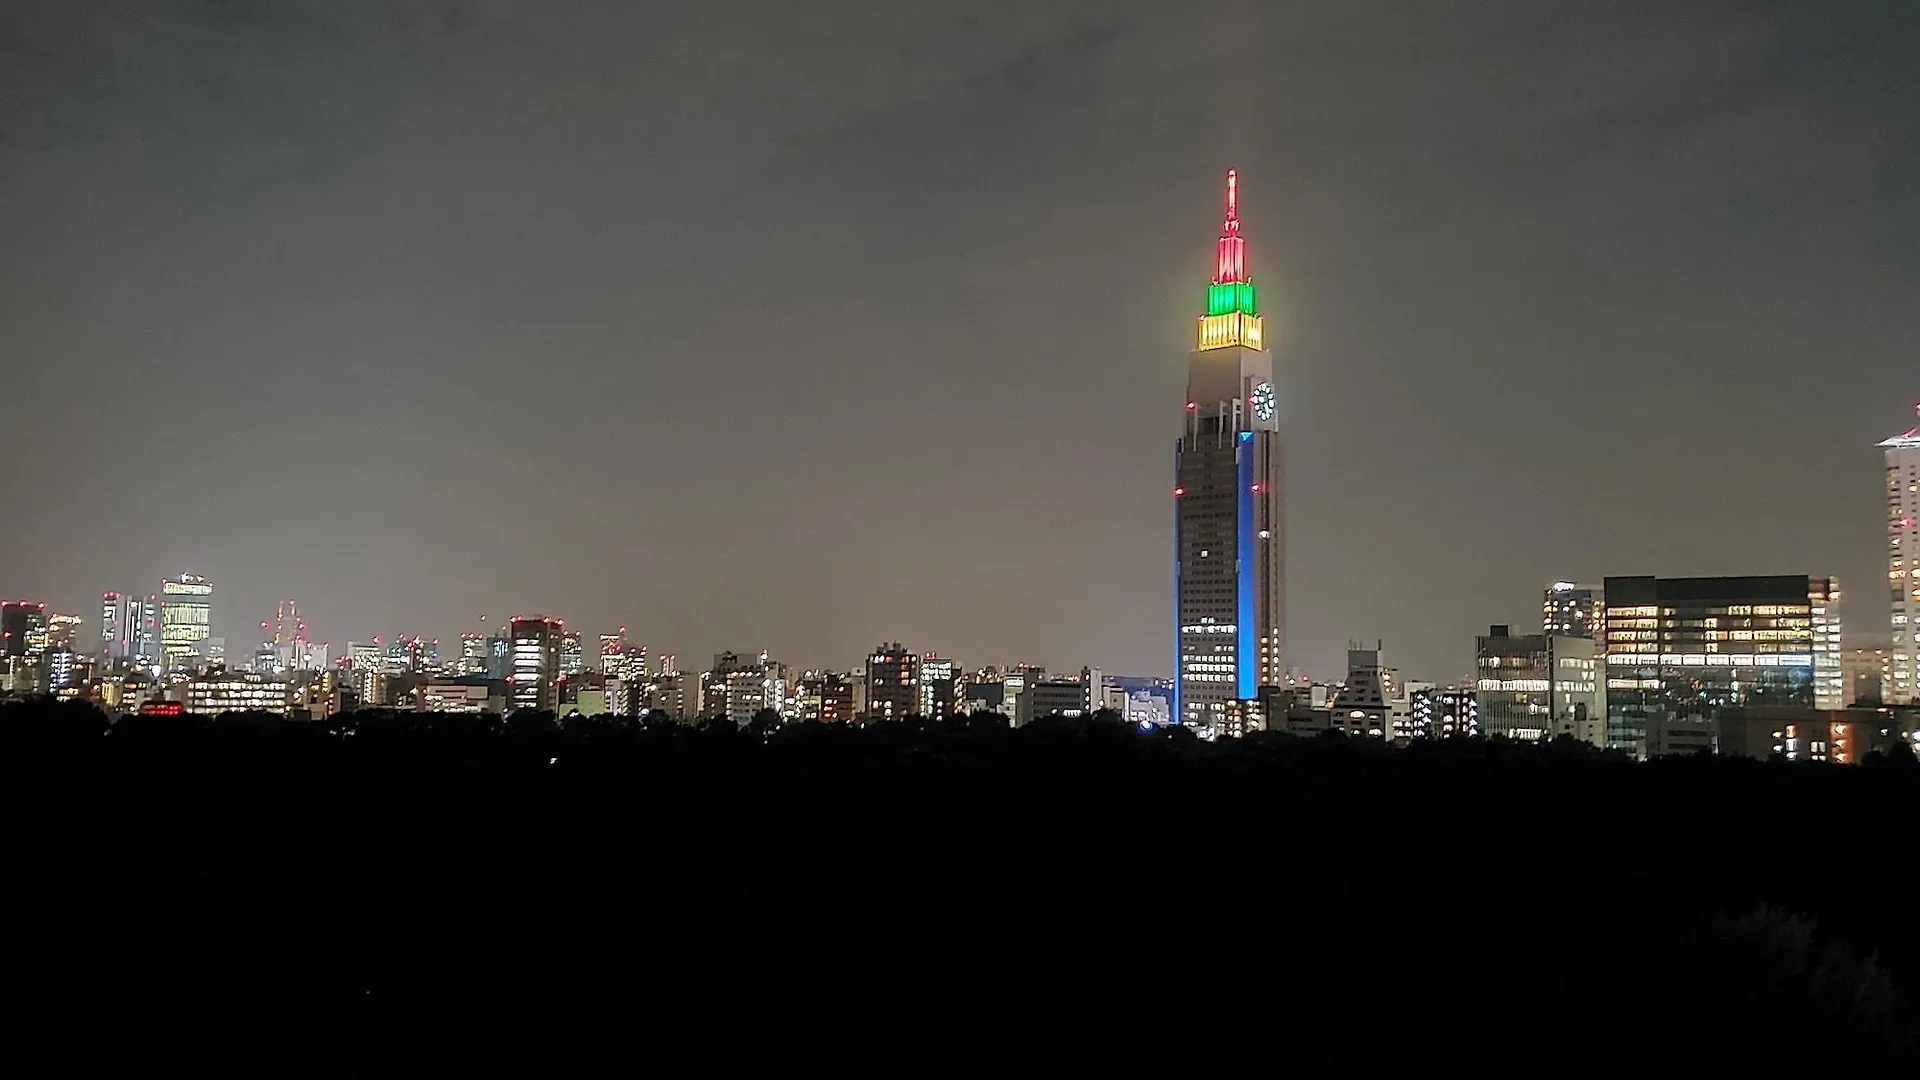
962, 287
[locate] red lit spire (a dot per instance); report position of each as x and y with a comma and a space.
1230, 254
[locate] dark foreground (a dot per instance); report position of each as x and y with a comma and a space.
427, 896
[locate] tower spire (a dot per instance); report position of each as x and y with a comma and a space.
1231, 317
1230, 254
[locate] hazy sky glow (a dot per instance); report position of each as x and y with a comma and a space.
803, 325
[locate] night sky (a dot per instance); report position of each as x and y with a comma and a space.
801, 326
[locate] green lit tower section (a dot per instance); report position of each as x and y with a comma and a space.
1229, 528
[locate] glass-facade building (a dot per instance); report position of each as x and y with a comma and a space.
186, 621
1537, 686
1680, 649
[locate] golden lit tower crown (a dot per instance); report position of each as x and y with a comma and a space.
1231, 318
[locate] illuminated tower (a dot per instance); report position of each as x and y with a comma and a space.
1229, 535
1903, 563
186, 621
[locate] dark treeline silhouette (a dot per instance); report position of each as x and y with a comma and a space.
429, 893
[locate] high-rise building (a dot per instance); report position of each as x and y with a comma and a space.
23, 628
116, 613
1534, 687
613, 654
63, 631
473, 654
573, 652
942, 688
1866, 669
1570, 610
1229, 531
186, 621
893, 682
1678, 650
146, 645
535, 681
1829, 680
287, 627
1903, 565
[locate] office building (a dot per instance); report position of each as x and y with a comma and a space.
1533, 687
573, 652
534, 682
1866, 668
1678, 650
1838, 736
115, 633
1903, 565
473, 654
1829, 682
1229, 560
825, 697
464, 694
1570, 610
147, 633
186, 622
613, 654
216, 692
23, 628
1061, 695
892, 681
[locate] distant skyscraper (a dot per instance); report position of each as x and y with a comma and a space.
1229, 532
1679, 650
535, 681
23, 628
1903, 564
186, 621
63, 632
146, 646
499, 656
115, 633
613, 654
1570, 610
473, 654
573, 652
287, 626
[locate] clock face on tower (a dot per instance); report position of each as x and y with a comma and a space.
1262, 401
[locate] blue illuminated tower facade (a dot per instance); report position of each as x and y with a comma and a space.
1229, 525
